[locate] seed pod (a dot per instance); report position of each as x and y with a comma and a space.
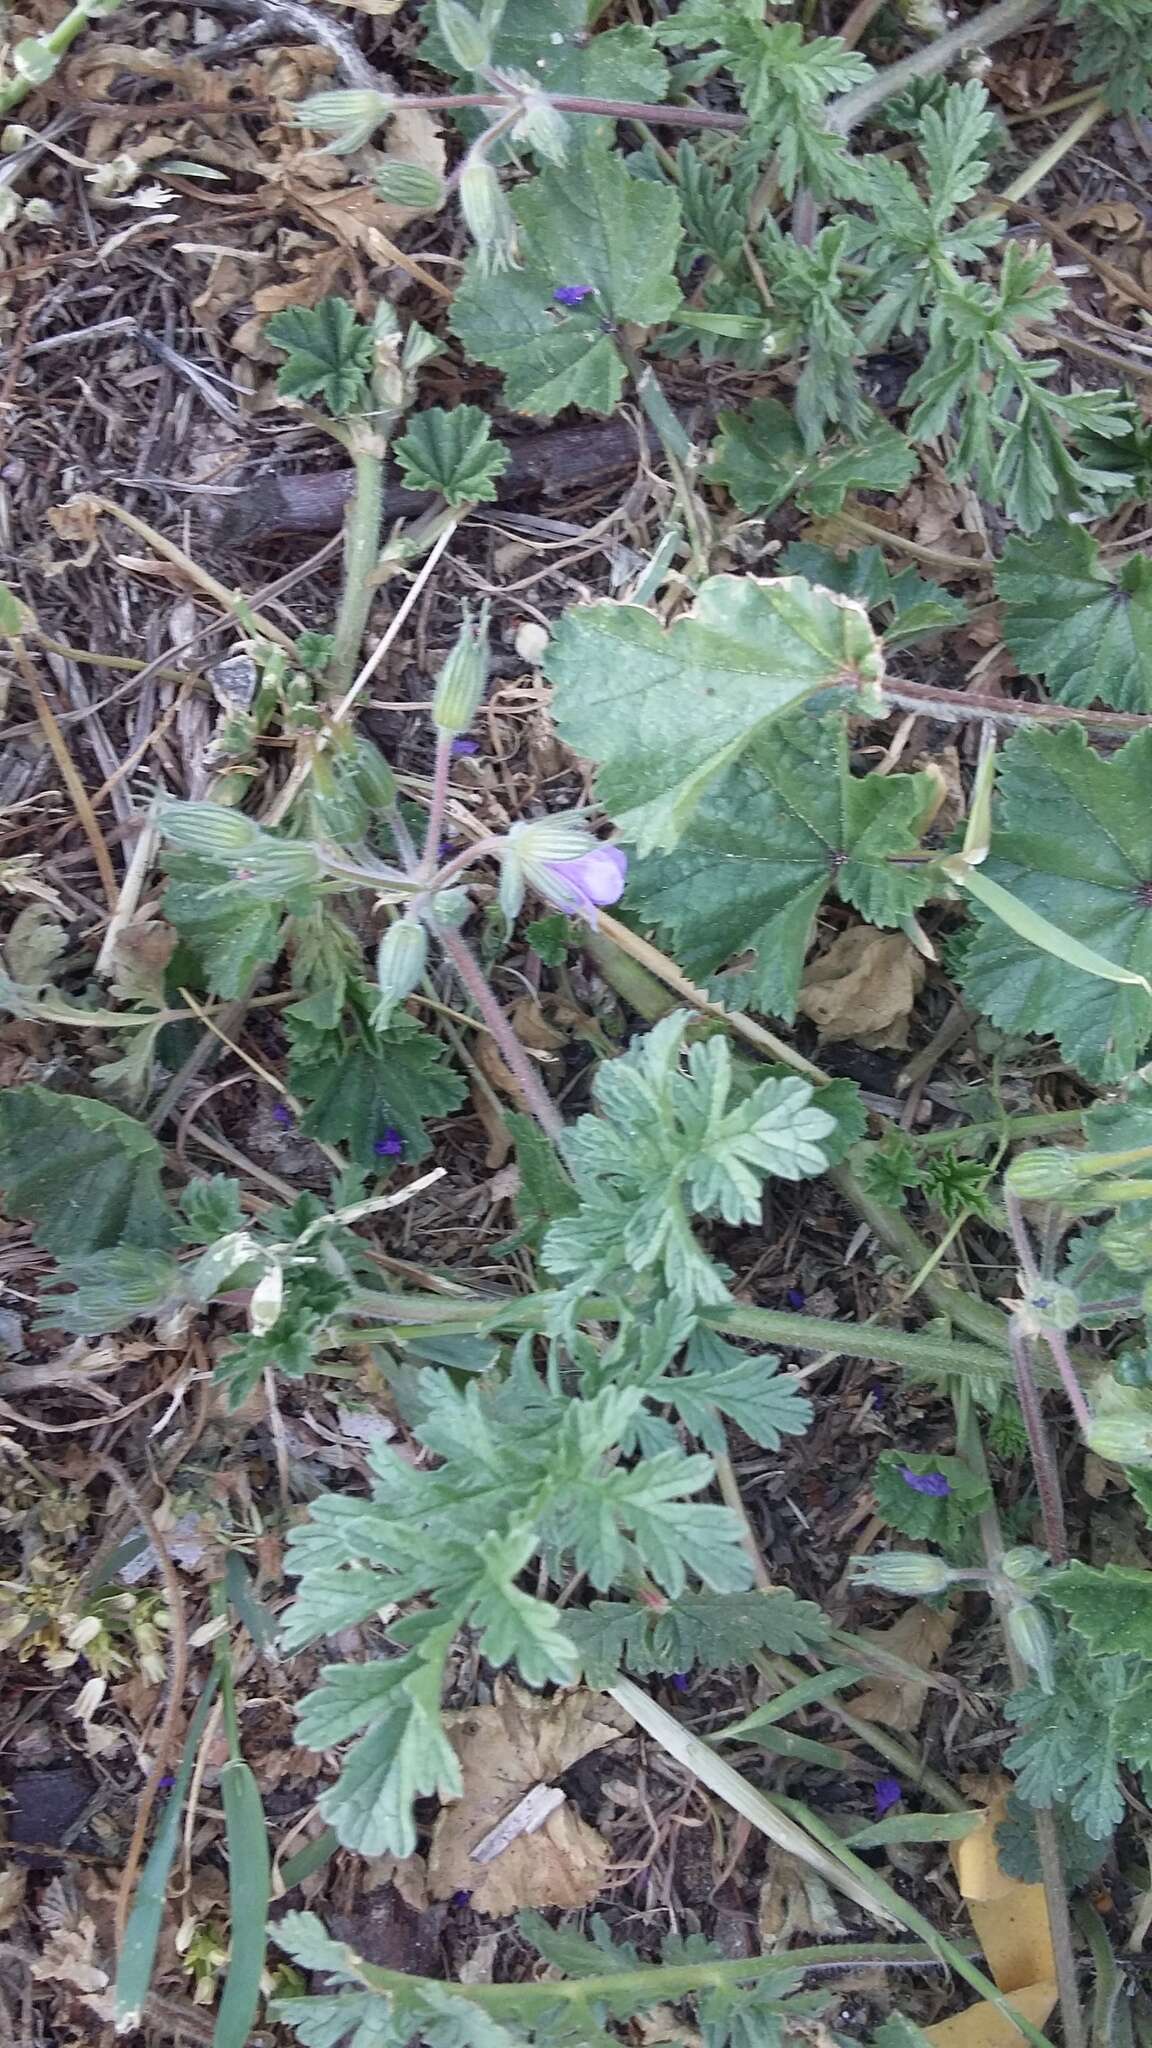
274, 868
400, 962
461, 682
489, 218
210, 830
1029, 1633
542, 127
411, 185
1045, 1175
374, 777
350, 118
903, 1571
468, 41
1023, 1561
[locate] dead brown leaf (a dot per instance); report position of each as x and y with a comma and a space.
1112, 217
505, 1750
863, 987
67, 1958
919, 1637
13, 1883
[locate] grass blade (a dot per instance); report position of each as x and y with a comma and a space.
134, 1966
250, 1893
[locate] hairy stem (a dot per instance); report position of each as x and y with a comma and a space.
1039, 1443
536, 1097
979, 34
361, 551
441, 770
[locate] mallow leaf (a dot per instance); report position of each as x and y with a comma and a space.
1111, 1608
664, 709
1072, 840
606, 229
760, 455
84, 1175
1068, 619
453, 452
329, 354
769, 838
552, 44
359, 1084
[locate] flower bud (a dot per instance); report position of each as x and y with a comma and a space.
461, 682
1052, 1307
410, 185
350, 118
541, 127
267, 1300
208, 829
1127, 1244
400, 961
1044, 1175
1029, 1634
469, 43
374, 777
902, 1571
274, 868
1023, 1561
451, 908
488, 216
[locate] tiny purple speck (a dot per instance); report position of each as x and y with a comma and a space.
166, 1782
679, 1681
461, 1898
795, 1297
572, 294
879, 1395
887, 1793
933, 1483
463, 746
283, 1115
391, 1144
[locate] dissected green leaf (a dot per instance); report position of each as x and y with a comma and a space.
664, 710
761, 456
329, 353
1110, 1607
359, 1084
1068, 619
453, 452
231, 934
605, 228
772, 835
85, 1176
709, 1630
1072, 841
1067, 1751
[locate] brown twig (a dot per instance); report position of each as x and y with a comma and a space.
68, 770
177, 1680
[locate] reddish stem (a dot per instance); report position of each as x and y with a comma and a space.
536, 1097
1043, 1462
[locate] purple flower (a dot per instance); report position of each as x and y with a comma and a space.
680, 1681
887, 1793
933, 1483
795, 1297
572, 294
463, 746
391, 1144
461, 1898
580, 887
282, 1115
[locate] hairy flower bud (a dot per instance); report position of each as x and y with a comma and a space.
468, 40
274, 868
1029, 1634
461, 682
489, 218
1127, 1243
541, 126
410, 185
1045, 1175
400, 961
350, 118
1023, 1561
374, 777
210, 830
902, 1571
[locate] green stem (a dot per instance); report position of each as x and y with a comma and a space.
54, 44
1009, 1127
361, 555
978, 1317
663, 1981
411, 1314
679, 453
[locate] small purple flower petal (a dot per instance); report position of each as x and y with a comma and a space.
887, 1793
391, 1144
933, 1483
580, 887
461, 747
461, 1898
283, 1115
572, 294
795, 1297
680, 1681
